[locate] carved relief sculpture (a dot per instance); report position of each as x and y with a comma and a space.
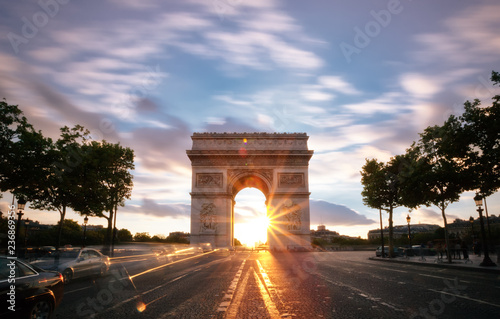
293, 216
209, 180
208, 221
291, 180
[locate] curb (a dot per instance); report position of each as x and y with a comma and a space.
438, 265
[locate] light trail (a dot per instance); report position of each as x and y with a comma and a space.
171, 263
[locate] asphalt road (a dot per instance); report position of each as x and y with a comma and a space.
225, 284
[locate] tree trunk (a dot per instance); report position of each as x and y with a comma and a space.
107, 241
391, 232
59, 231
109, 232
446, 237
113, 233
381, 233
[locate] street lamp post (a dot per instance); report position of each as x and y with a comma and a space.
21, 203
85, 221
486, 261
408, 219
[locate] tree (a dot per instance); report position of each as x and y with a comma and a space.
142, 237
56, 187
124, 235
442, 175
382, 188
105, 182
481, 127
21, 148
158, 238
237, 242
12, 124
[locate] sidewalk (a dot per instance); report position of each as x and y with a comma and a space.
433, 261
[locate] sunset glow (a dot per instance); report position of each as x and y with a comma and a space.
251, 220
326, 68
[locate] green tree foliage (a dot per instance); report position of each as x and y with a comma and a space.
21, 148
124, 235
142, 237
382, 188
158, 238
56, 186
12, 126
74, 172
481, 126
176, 238
438, 175
105, 181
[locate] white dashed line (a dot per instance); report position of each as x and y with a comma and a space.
228, 296
465, 297
439, 277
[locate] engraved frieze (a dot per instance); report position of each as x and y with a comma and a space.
291, 180
209, 180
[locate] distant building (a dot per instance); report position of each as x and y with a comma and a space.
461, 228
323, 233
35, 226
94, 227
402, 230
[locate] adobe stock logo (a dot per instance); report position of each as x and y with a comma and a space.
30, 28
363, 37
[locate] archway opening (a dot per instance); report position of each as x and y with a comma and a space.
251, 221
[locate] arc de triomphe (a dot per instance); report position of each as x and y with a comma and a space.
275, 163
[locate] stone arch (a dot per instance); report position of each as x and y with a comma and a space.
225, 163
252, 179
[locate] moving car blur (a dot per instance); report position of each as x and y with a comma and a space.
75, 263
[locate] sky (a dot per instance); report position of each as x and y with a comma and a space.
361, 78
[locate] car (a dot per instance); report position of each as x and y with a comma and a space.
378, 251
31, 291
76, 263
206, 247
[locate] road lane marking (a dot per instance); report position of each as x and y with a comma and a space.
231, 308
439, 277
271, 288
72, 291
465, 297
396, 270
361, 293
270, 306
164, 296
264, 275
228, 296
140, 295
171, 281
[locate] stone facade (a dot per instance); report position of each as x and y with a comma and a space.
225, 163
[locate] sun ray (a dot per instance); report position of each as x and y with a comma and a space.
251, 217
